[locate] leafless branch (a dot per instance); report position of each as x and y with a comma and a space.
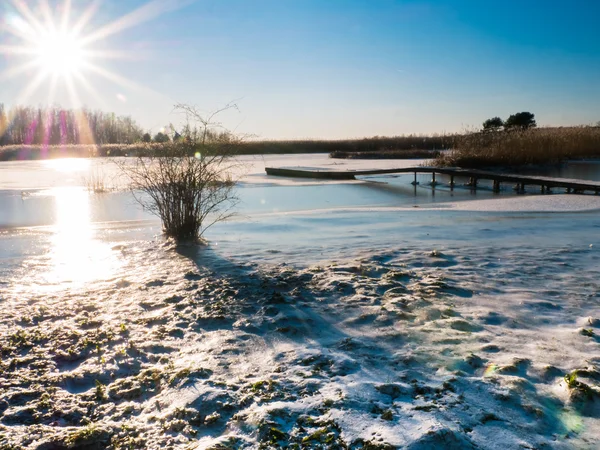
189, 184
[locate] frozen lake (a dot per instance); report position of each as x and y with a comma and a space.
420, 318
281, 218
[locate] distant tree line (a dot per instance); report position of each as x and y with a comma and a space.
520, 121
57, 126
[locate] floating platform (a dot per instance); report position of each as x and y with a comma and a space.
473, 175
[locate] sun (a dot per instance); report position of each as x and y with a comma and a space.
47, 43
60, 53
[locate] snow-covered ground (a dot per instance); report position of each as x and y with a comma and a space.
353, 315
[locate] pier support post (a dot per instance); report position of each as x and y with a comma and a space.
433, 182
451, 182
414, 183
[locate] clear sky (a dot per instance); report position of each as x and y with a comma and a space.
317, 68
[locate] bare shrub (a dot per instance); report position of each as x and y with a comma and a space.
189, 184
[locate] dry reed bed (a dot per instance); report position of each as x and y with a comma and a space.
386, 154
496, 149
375, 144
28, 152
523, 147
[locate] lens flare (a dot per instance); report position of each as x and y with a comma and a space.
490, 370
571, 421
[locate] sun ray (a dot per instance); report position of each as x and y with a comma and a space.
52, 90
4, 123
85, 18
31, 87
111, 76
17, 50
85, 133
50, 23
143, 14
73, 97
48, 125
64, 24
17, 70
86, 137
90, 89
28, 15
111, 54
20, 28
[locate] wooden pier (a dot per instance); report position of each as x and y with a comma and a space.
474, 176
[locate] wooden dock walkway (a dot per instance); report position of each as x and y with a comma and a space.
473, 176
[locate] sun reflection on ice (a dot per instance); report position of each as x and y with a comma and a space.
76, 255
68, 165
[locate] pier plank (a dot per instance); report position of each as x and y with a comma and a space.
572, 185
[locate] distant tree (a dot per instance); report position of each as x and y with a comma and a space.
522, 120
146, 137
54, 126
161, 137
493, 124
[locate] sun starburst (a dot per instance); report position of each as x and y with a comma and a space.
46, 40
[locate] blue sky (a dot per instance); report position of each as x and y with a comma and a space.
336, 69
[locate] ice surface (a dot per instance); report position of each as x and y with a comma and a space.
537, 203
365, 322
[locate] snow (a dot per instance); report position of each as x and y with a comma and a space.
450, 325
